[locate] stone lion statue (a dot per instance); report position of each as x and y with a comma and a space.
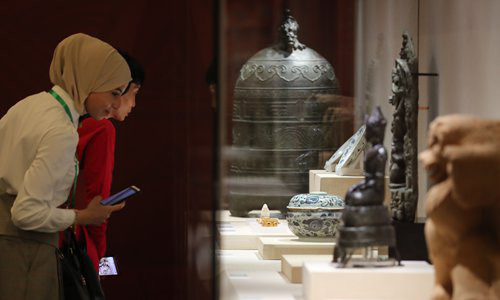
463, 207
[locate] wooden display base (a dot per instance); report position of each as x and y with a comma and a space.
323, 181
323, 280
291, 265
275, 247
410, 241
243, 234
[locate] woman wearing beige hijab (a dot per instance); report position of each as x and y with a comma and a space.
38, 139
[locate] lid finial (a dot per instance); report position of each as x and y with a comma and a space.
288, 33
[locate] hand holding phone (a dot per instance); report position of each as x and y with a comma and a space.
95, 213
121, 195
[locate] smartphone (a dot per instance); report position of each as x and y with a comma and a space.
121, 196
107, 266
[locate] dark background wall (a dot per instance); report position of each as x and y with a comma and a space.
164, 145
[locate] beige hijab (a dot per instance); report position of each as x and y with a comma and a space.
83, 64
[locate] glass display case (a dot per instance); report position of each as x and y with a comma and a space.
282, 112
280, 121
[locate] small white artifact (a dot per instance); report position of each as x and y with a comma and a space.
264, 213
347, 160
265, 218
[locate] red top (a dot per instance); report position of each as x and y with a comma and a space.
95, 152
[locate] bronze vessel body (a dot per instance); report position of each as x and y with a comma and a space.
280, 125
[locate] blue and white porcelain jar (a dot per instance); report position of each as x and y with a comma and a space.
316, 214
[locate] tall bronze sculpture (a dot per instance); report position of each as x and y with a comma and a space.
367, 223
403, 166
279, 124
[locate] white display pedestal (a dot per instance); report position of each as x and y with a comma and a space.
323, 181
238, 260
412, 281
275, 247
257, 285
243, 235
245, 275
329, 182
291, 264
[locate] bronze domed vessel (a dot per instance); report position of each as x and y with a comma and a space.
280, 123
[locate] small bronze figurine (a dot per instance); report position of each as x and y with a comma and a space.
367, 223
403, 165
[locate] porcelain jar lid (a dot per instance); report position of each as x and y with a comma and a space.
316, 201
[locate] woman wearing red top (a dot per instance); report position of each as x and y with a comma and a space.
95, 153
